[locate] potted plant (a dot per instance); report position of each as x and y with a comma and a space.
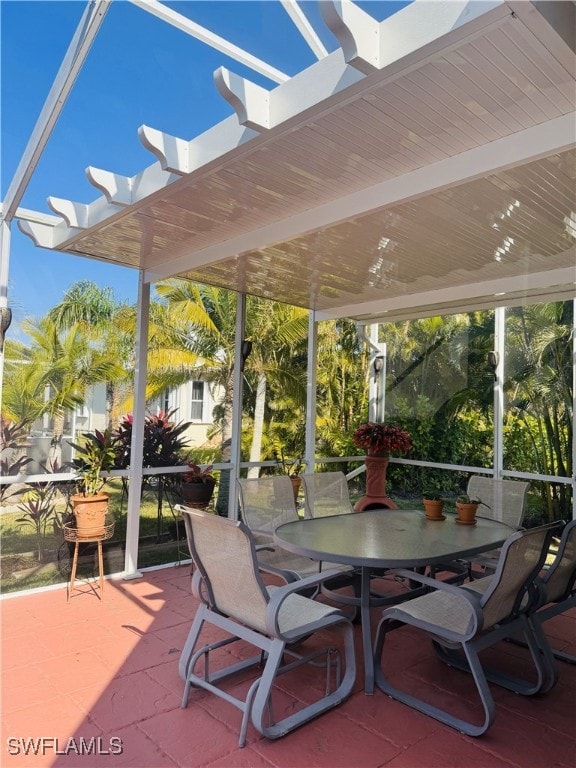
293, 468
434, 505
466, 507
197, 485
379, 441
97, 454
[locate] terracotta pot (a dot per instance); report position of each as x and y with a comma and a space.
375, 496
197, 494
90, 513
434, 509
296, 483
466, 513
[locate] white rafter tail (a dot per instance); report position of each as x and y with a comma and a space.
74, 214
188, 26
172, 152
356, 31
116, 188
370, 45
46, 235
304, 27
251, 102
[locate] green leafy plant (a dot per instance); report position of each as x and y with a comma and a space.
433, 495
465, 499
93, 457
38, 508
290, 467
12, 437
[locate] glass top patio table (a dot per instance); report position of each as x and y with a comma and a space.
384, 538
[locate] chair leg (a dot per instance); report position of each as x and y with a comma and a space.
273, 668
385, 626
539, 651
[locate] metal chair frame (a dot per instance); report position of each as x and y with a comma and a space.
462, 618
502, 500
275, 620
266, 503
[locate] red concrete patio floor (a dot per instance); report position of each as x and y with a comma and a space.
108, 671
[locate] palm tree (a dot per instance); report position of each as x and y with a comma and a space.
199, 322
62, 367
102, 319
277, 331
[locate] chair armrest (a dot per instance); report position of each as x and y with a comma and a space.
434, 583
461, 593
199, 587
280, 594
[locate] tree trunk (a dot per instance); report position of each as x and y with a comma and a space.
255, 448
224, 485
55, 452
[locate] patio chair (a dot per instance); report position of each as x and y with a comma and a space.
502, 500
266, 503
559, 587
458, 617
275, 620
326, 493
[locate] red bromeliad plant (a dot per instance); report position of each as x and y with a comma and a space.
382, 439
196, 474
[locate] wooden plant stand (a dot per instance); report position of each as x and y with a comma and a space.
71, 534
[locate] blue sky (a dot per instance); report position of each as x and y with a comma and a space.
138, 71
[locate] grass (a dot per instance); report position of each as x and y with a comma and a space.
20, 568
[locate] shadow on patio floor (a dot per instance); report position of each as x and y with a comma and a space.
108, 672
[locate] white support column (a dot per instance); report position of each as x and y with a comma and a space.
377, 374
237, 406
311, 376
499, 348
137, 447
573, 409
5, 234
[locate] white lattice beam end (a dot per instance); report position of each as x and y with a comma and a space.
251, 102
116, 188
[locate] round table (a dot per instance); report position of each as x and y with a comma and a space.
384, 538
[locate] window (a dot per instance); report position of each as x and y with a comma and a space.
197, 401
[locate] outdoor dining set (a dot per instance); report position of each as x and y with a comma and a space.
466, 587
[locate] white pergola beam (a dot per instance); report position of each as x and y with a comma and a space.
519, 148
215, 41
69, 69
528, 282
370, 45
304, 27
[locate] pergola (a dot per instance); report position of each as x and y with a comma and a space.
426, 166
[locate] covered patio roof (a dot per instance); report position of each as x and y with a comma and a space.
426, 166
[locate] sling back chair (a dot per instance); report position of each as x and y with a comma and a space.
501, 500
326, 493
469, 620
558, 589
275, 620
266, 503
